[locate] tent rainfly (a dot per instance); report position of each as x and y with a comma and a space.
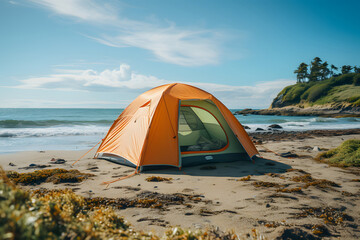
176, 125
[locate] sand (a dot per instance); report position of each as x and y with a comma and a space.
220, 199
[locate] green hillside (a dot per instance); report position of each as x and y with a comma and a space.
340, 90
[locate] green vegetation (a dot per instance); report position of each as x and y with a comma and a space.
346, 155
319, 85
343, 89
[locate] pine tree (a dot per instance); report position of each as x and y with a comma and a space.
324, 71
333, 67
356, 69
346, 69
301, 72
315, 69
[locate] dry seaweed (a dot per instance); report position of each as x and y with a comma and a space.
145, 199
247, 178
331, 216
266, 184
157, 179
273, 174
61, 214
290, 190
296, 170
56, 175
319, 230
310, 181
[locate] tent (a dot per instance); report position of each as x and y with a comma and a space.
176, 125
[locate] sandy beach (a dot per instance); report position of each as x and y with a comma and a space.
220, 195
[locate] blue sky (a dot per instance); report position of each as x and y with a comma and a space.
87, 53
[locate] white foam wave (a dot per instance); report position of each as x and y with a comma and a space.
53, 131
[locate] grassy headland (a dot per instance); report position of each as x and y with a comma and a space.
342, 91
319, 91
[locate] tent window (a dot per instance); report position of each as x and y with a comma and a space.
199, 130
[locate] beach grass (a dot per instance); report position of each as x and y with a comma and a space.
346, 155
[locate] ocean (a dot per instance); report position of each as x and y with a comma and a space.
39, 129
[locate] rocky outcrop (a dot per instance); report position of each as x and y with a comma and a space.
335, 110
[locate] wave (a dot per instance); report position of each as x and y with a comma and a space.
53, 132
47, 123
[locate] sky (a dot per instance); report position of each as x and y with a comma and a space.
103, 54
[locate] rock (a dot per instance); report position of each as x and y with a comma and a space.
288, 155
11, 164
267, 205
277, 126
259, 129
57, 161
316, 149
246, 127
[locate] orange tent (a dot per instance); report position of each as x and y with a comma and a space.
178, 125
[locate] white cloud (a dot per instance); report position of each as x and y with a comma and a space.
82, 9
168, 43
122, 77
257, 96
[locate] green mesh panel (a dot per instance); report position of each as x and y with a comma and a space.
199, 130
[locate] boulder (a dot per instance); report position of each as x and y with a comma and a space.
288, 155
276, 126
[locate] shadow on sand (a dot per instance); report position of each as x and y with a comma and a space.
260, 166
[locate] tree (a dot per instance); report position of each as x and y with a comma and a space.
332, 67
301, 72
315, 69
356, 69
346, 69
324, 70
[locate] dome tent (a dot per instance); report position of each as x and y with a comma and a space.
177, 125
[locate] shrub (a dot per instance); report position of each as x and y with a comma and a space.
318, 91
342, 80
293, 95
346, 155
356, 80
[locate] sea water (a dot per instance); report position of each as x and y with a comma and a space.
40, 129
